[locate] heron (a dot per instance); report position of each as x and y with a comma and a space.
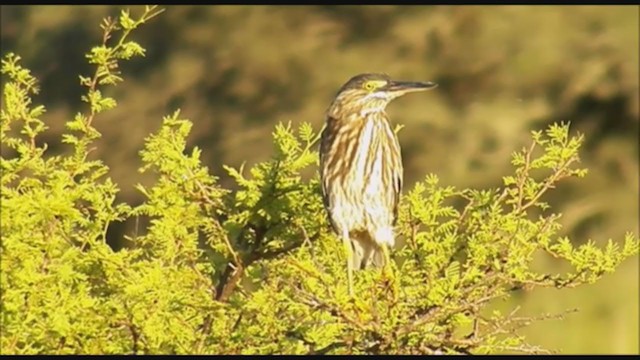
361, 168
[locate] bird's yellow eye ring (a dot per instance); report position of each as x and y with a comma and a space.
373, 84
369, 85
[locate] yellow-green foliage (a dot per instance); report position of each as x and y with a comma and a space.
257, 270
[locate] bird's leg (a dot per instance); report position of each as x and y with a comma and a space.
388, 272
349, 252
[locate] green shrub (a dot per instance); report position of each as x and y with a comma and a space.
257, 270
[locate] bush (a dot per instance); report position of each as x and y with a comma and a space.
257, 270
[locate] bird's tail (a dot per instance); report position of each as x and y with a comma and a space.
366, 253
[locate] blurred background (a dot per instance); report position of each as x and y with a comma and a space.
236, 71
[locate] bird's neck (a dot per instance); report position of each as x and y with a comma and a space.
376, 112
357, 115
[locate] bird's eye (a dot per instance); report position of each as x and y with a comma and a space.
374, 84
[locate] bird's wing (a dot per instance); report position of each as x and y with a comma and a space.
397, 179
397, 189
325, 142
323, 178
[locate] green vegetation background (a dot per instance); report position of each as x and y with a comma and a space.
236, 71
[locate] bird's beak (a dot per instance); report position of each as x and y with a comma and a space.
398, 88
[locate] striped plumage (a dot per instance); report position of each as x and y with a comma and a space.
361, 169
361, 166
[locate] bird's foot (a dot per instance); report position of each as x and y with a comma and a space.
388, 275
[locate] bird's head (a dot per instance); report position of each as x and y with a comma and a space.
371, 93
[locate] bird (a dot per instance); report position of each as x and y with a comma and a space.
361, 169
